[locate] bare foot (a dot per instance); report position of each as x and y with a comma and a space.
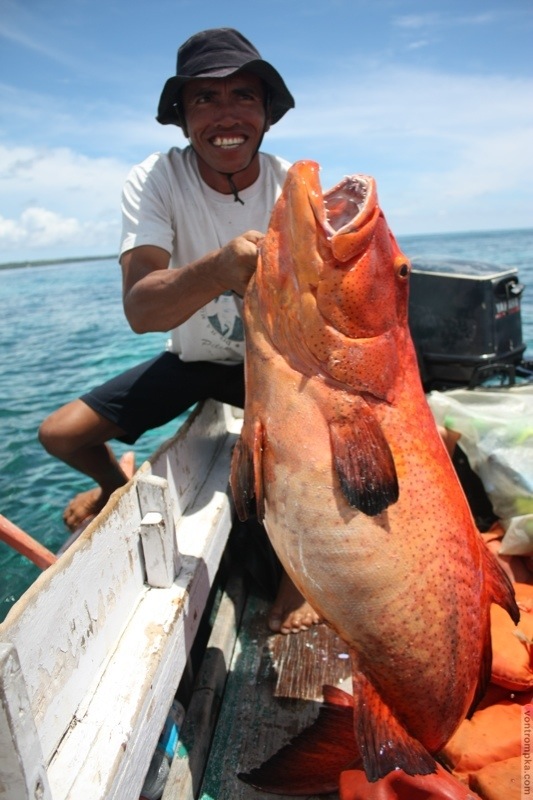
86, 505
291, 613
82, 506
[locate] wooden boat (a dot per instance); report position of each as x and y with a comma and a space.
143, 605
92, 655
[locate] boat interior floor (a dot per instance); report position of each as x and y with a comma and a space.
248, 691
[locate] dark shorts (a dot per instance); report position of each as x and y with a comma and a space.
157, 391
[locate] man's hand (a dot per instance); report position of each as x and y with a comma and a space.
157, 298
237, 261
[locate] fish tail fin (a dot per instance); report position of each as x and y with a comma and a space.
384, 743
311, 763
246, 479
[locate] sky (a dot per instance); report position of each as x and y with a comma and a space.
433, 98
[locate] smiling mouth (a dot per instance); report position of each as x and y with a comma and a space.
228, 142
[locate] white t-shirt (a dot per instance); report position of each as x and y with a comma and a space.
166, 203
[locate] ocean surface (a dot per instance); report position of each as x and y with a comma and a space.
62, 331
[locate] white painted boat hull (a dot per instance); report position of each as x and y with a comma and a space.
92, 654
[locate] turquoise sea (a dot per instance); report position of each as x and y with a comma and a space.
62, 330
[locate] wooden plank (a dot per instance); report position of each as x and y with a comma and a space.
185, 467
257, 717
25, 544
107, 751
197, 730
21, 760
158, 551
114, 737
304, 663
158, 535
69, 620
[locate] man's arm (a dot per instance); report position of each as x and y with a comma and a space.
157, 298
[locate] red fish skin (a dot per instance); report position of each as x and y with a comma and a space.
330, 368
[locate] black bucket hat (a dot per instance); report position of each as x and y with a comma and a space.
217, 53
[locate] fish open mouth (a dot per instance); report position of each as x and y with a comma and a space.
345, 201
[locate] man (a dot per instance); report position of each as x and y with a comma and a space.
192, 221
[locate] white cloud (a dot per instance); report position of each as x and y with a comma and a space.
41, 229
31, 170
56, 198
449, 152
435, 19
392, 101
35, 43
97, 127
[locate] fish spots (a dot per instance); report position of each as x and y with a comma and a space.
361, 501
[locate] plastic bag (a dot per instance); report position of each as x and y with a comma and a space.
496, 427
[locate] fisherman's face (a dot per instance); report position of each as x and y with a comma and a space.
225, 121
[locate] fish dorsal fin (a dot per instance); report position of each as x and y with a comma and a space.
312, 761
383, 742
364, 462
247, 475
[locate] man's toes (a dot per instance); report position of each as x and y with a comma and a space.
275, 620
294, 624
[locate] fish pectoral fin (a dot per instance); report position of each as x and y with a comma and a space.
313, 760
364, 462
241, 479
246, 478
383, 742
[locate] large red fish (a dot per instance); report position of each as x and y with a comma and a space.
341, 457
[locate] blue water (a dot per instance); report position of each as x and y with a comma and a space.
62, 331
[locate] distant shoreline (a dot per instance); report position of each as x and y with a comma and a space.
50, 261
400, 237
